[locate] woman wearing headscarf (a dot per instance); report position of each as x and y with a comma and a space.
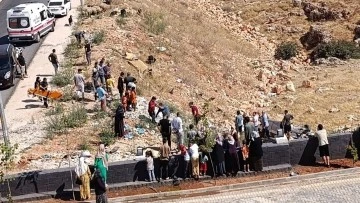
119, 121
219, 158
83, 173
234, 159
101, 162
255, 151
100, 188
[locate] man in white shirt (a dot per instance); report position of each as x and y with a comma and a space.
177, 128
79, 82
256, 121
321, 134
194, 152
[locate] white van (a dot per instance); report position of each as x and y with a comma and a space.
59, 7
28, 22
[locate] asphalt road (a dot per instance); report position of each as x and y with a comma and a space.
29, 50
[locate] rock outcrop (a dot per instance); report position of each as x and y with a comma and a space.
315, 36
319, 12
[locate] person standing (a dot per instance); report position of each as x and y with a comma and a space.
245, 156
219, 156
194, 155
54, 60
101, 94
164, 109
184, 152
177, 128
265, 124
164, 160
255, 151
321, 134
234, 159
128, 79
79, 83
101, 74
22, 64
95, 77
70, 20
110, 84
249, 128
286, 123
133, 99
101, 162
150, 165
88, 48
83, 174
119, 121
44, 87
203, 162
100, 187
256, 121
165, 129
79, 35
107, 70
192, 134
239, 122
195, 112
121, 84
151, 109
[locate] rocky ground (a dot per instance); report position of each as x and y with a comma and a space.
217, 51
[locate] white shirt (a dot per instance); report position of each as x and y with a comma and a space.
194, 151
176, 124
256, 120
187, 156
322, 137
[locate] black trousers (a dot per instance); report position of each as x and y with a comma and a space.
164, 166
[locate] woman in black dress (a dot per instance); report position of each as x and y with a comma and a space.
119, 121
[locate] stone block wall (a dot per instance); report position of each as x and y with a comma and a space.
303, 152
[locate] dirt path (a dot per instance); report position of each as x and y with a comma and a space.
24, 113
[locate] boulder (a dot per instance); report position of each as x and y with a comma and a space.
278, 89
290, 86
315, 36
319, 12
357, 32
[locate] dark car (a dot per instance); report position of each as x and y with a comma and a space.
7, 65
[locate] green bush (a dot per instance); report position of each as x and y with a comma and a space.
76, 118
339, 49
107, 136
98, 37
68, 94
72, 50
155, 22
58, 109
63, 78
55, 125
85, 145
120, 21
286, 51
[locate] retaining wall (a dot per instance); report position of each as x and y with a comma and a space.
303, 152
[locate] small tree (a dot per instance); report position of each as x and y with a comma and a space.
354, 152
7, 163
286, 50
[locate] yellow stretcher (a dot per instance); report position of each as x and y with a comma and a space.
51, 94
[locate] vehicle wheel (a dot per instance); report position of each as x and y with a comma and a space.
52, 27
37, 38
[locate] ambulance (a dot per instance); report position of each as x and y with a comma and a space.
29, 22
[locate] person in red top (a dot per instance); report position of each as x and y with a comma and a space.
195, 112
151, 108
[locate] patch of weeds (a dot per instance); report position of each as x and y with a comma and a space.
286, 50
72, 50
120, 21
76, 118
172, 108
63, 78
114, 104
85, 145
55, 125
339, 49
98, 37
146, 122
100, 115
68, 94
107, 136
155, 22
58, 109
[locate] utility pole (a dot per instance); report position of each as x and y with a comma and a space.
3, 122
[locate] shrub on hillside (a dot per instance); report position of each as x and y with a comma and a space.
98, 37
339, 49
286, 51
63, 78
155, 22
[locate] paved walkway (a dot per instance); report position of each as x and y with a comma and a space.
340, 186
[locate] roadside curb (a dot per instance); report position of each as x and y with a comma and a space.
246, 185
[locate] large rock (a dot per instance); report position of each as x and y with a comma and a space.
290, 86
357, 32
315, 36
319, 12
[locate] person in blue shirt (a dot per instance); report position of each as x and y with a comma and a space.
164, 109
101, 93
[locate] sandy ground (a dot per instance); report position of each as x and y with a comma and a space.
24, 114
